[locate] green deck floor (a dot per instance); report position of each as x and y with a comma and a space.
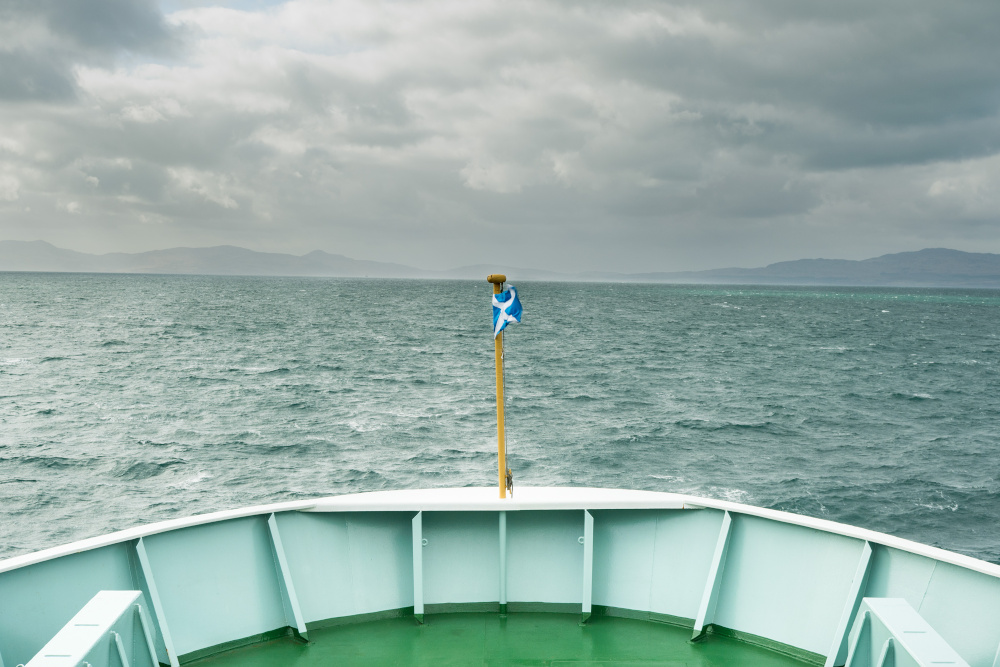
522, 640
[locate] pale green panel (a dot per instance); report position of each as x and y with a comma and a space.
786, 582
544, 556
682, 556
319, 559
879, 634
217, 582
899, 574
461, 557
623, 558
349, 563
963, 606
36, 601
381, 553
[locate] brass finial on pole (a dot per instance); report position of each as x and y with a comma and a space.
498, 280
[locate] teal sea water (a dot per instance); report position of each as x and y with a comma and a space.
131, 399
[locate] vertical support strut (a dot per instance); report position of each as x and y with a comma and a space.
161, 618
148, 634
503, 564
859, 644
418, 567
838, 649
588, 565
710, 598
288, 597
121, 649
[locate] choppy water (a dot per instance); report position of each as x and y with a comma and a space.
131, 399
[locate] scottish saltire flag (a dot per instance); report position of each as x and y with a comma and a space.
506, 309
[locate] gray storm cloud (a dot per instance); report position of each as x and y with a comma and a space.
634, 136
45, 40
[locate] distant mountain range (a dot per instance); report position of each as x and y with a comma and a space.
932, 267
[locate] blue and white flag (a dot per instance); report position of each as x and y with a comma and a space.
506, 309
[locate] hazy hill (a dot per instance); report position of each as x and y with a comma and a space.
930, 267
217, 260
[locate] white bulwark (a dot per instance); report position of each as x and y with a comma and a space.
710, 565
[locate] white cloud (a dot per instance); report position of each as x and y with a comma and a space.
972, 187
11, 145
488, 174
10, 188
668, 20
141, 114
216, 188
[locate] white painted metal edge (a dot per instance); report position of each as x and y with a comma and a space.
144, 531
486, 499
526, 498
847, 530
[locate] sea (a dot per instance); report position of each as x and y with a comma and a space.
130, 399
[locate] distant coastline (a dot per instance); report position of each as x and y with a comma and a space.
931, 267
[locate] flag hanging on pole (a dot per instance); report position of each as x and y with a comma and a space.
506, 309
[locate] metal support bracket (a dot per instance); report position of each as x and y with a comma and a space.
121, 649
838, 649
588, 566
860, 641
289, 600
503, 564
161, 618
148, 634
418, 567
887, 658
710, 598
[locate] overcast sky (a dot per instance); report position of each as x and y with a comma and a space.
629, 136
